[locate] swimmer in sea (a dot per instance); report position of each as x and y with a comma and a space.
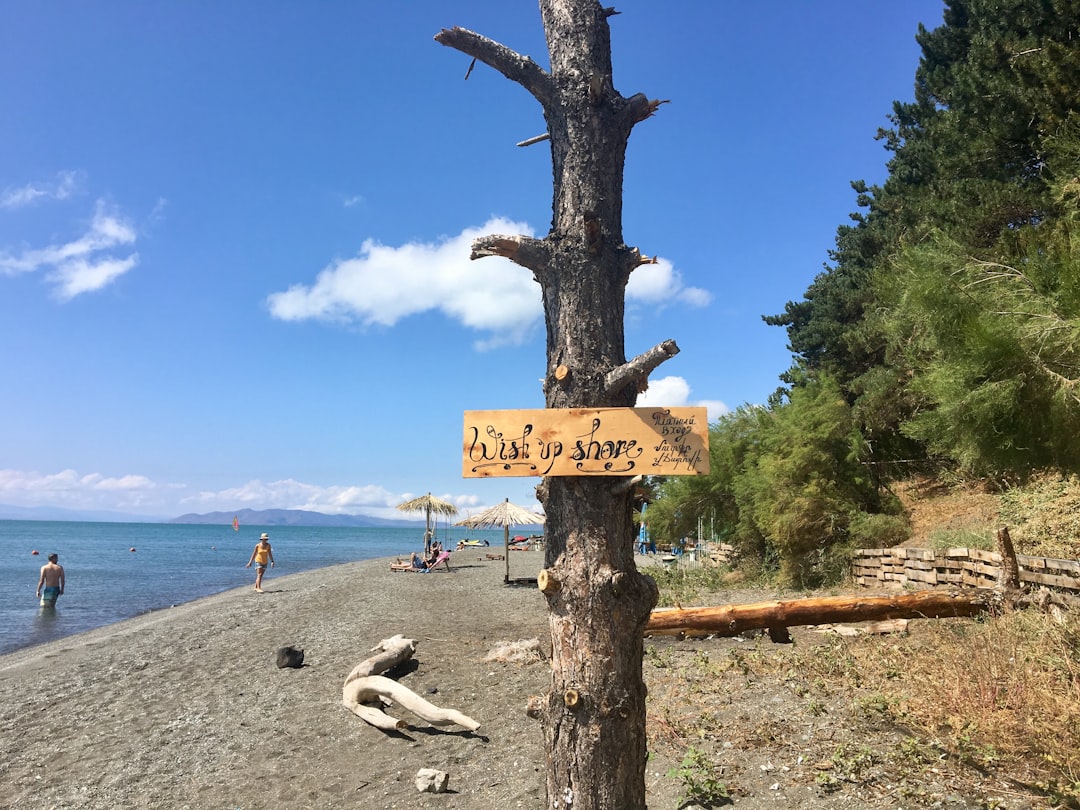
51, 582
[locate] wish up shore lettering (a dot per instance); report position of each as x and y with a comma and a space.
604, 441
589, 452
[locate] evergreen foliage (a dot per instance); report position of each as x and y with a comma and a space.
944, 333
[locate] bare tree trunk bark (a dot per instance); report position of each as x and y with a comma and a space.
594, 715
1010, 569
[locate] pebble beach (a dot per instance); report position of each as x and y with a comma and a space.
186, 707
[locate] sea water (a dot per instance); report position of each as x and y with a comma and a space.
115, 571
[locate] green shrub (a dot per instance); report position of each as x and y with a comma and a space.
878, 531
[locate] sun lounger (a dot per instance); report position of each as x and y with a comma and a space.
443, 559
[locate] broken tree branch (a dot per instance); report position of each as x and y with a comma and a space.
638, 370
639, 107
523, 250
509, 63
535, 139
731, 620
638, 259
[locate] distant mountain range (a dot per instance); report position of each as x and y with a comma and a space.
247, 517
290, 517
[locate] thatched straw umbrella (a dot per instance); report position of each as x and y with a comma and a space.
506, 515
429, 505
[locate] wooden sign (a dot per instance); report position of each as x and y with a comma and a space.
586, 441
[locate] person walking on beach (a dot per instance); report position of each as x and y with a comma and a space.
260, 556
52, 580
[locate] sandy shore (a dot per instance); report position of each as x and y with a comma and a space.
186, 707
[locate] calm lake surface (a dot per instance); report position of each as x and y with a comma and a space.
116, 571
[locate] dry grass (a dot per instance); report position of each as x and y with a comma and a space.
957, 702
1043, 515
987, 707
1001, 693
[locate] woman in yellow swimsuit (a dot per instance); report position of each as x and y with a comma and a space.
260, 556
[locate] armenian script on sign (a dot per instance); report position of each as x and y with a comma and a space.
586, 441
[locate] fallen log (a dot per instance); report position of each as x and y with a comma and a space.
731, 620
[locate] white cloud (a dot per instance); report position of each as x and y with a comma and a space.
383, 285
18, 481
78, 275
674, 392
65, 185
70, 490
84, 264
661, 283
291, 494
139, 495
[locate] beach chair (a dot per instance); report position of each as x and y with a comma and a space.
443, 559
415, 565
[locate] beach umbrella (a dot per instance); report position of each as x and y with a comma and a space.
429, 505
504, 514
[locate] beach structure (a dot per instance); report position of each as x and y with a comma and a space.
504, 515
429, 505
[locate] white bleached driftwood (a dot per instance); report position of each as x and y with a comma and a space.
390, 652
364, 686
370, 688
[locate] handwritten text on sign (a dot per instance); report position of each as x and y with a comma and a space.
586, 441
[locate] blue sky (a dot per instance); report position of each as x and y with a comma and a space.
234, 236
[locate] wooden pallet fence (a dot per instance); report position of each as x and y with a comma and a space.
969, 567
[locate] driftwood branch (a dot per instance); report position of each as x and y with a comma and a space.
638, 370
522, 250
369, 688
390, 653
364, 686
731, 620
509, 63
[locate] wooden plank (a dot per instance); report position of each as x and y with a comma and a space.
1072, 566
920, 565
984, 556
920, 554
926, 577
586, 441
1072, 583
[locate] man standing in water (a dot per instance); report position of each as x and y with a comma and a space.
260, 556
52, 579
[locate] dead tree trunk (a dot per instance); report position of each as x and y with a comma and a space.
730, 620
594, 715
1010, 569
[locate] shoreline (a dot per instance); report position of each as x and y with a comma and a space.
185, 707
